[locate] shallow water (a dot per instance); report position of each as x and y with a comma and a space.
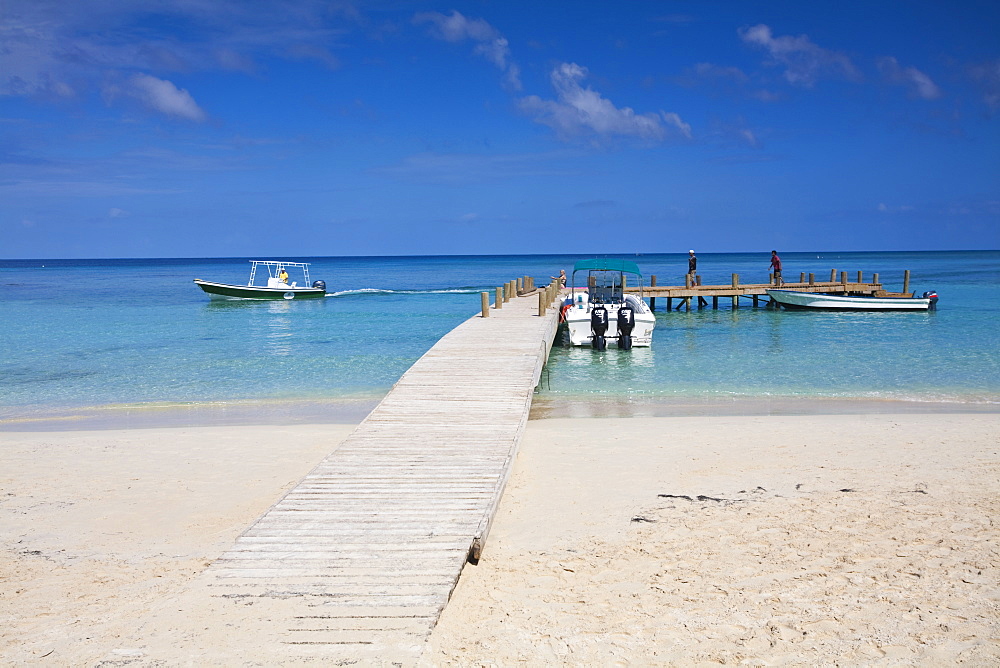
122, 339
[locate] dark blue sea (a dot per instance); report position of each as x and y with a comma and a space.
135, 342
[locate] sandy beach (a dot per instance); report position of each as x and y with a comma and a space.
751, 540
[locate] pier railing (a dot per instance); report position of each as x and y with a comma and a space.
520, 287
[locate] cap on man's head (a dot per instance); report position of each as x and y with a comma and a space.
690, 251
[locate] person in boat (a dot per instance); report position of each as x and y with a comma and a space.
776, 268
561, 278
283, 276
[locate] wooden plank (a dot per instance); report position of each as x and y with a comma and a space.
367, 549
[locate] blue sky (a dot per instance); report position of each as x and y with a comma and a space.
203, 128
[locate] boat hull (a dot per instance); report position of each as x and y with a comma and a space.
812, 301
579, 330
227, 291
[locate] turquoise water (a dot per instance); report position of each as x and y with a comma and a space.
117, 337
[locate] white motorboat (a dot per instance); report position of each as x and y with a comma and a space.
602, 311
817, 301
276, 286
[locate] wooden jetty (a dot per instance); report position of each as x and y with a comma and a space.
356, 563
694, 290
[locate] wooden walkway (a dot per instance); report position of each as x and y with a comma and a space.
685, 295
364, 553
694, 290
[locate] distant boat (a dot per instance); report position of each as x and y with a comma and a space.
602, 311
815, 301
276, 286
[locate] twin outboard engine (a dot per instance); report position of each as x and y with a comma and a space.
598, 327
933, 297
320, 284
626, 322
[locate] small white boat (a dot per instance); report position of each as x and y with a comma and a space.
817, 301
602, 311
276, 285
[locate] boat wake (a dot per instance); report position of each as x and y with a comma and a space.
382, 291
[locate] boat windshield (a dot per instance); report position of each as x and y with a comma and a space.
605, 287
607, 279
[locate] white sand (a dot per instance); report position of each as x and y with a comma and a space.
97, 527
586, 564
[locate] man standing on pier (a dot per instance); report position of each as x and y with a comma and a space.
776, 268
692, 270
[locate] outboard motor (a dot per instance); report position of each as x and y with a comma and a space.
933, 297
626, 323
598, 327
320, 284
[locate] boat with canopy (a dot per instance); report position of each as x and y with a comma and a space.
276, 285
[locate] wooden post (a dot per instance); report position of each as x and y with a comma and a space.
652, 299
697, 280
520, 287
541, 302
875, 279
843, 278
861, 276
486, 303
833, 275
802, 277
736, 284
670, 303
715, 302
812, 278
906, 281
770, 278
498, 304
755, 301
687, 280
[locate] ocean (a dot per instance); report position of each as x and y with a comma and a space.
128, 343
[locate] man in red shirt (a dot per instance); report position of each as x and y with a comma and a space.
776, 267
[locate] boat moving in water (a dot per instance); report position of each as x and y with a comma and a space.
814, 301
276, 286
602, 311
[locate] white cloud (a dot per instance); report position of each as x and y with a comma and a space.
804, 61
902, 208
54, 48
456, 28
717, 72
579, 111
987, 76
164, 97
920, 84
491, 45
